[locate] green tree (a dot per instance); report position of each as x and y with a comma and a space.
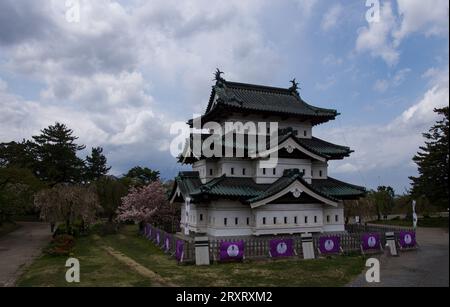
96, 164
110, 192
56, 154
14, 154
432, 161
140, 176
382, 200
17, 189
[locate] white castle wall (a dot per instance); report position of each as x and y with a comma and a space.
300, 218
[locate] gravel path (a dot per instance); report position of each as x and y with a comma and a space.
426, 267
19, 248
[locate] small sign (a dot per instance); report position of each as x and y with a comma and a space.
281, 248
231, 251
407, 239
330, 245
370, 241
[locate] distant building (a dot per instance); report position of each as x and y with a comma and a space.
238, 196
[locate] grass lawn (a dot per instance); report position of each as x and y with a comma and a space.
97, 268
100, 269
8, 227
436, 222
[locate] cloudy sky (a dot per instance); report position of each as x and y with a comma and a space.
128, 69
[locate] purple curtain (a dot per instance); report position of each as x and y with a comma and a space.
370, 241
179, 252
167, 242
158, 237
281, 248
150, 232
330, 245
231, 251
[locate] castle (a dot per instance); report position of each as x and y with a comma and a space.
244, 194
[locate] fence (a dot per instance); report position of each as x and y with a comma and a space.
359, 229
259, 247
151, 233
255, 247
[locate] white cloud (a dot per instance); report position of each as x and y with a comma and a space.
381, 85
428, 17
376, 38
382, 147
332, 60
393, 82
306, 6
332, 17
327, 83
107, 76
383, 38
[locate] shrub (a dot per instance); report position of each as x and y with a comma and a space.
61, 245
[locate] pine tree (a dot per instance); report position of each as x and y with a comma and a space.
96, 166
56, 153
432, 161
15, 154
139, 176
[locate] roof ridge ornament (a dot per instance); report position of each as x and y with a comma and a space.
294, 88
218, 76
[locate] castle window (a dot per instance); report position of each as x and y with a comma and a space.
264, 221
336, 218
274, 220
274, 171
243, 171
236, 220
248, 221
295, 220
320, 173
328, 218
210, 171
285, 220
201, 217
264, 171
232, 171
305, 133
306, 220
225, 221
315, 219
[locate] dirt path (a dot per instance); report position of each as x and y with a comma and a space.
426, 267
19, 248
157, 280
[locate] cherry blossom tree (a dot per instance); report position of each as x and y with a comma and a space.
68, 204
142, 203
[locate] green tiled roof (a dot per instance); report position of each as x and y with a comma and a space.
247, 190
187, 182
320, 147
288, 178
230, 187
338, 189
242, 97
324, 148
